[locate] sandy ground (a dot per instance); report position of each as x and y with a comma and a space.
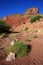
36, 54
34, 57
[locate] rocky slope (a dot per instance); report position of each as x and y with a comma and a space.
18, 19
19, 23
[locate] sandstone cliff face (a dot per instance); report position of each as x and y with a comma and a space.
15, 20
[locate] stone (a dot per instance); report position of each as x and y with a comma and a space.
41, 19
10, 57
12, 42
32, 11
16, 39
39, 30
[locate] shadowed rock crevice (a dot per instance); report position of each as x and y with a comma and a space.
29, 49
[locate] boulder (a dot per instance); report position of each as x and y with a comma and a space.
10, 57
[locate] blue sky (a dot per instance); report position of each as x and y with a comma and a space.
8, 7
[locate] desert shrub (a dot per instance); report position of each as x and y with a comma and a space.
26, 29
21, 30
29, 40
2, 35
19, 48
34, 36
9, 49
35, 18
4, 28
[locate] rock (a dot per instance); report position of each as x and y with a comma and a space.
12, 42
32, 11
10, 57
4, 18
39, 30
16, 40
41, 19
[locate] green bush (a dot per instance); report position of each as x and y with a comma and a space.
35, 18
4, 28
19, 48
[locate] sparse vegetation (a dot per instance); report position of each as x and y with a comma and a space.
34, 36
29, 40
36, 30
26, 28
19, 48
21, 30
2, 35
35, 18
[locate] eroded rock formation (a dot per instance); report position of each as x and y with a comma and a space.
32, 11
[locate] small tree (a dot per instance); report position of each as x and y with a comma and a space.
4, 28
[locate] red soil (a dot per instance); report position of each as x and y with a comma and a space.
15, 21
34, 57
19, 61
